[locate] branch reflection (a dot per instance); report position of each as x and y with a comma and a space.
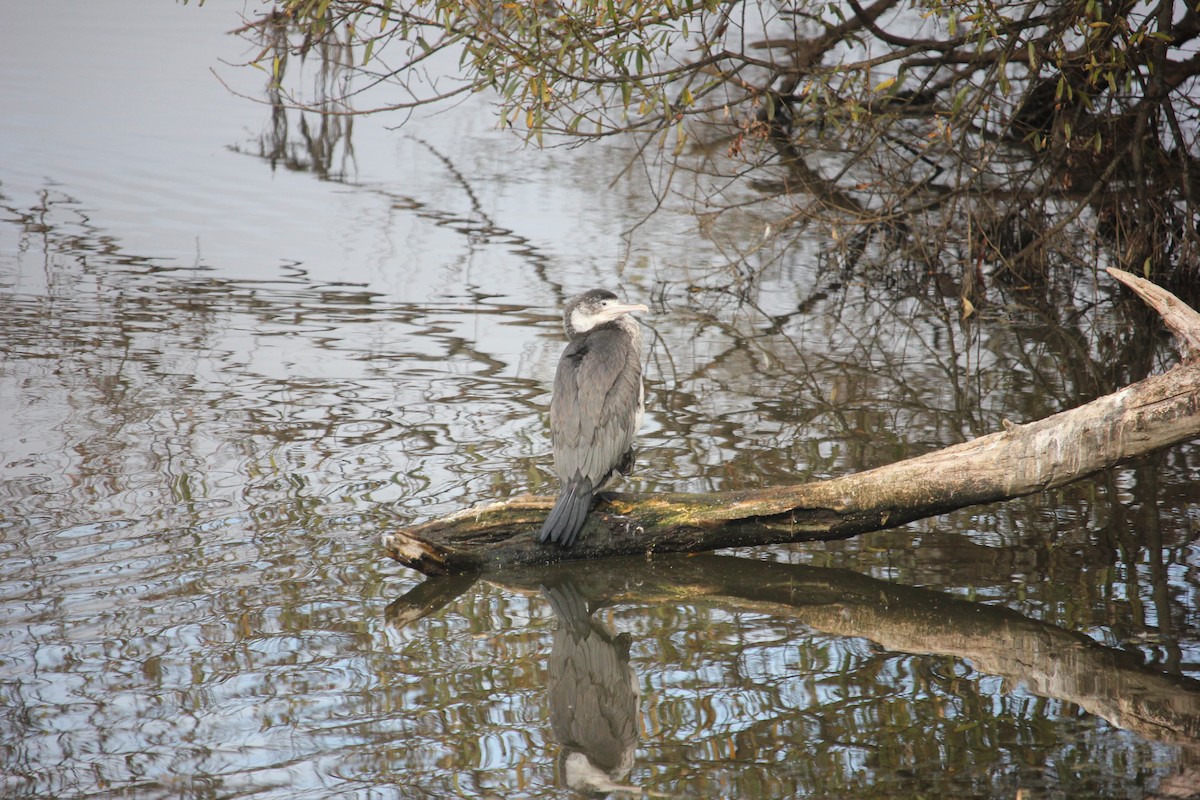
592, 696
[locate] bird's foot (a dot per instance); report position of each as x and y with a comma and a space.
630, 527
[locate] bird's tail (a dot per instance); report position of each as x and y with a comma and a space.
569, 512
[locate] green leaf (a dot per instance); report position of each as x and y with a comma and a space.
960, 100
680, 139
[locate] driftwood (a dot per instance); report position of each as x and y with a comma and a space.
1157, 412
1048, 660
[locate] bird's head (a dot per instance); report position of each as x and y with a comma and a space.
594, 308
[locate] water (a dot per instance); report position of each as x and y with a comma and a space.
228, 366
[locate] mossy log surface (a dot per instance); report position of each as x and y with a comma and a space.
1158, 412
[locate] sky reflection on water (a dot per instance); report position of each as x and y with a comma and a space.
223, 381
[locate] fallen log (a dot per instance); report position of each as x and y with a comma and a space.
1157, 412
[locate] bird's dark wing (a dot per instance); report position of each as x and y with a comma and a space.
594, 409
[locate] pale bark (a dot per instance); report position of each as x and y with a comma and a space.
1157, 412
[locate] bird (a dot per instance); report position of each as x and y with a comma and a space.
596, 406
593, 693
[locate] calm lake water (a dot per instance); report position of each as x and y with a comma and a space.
235, 350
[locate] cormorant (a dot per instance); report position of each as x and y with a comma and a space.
597, 405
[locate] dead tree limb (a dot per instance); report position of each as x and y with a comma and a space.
1158, 412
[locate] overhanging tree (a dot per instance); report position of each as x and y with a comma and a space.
1017, 133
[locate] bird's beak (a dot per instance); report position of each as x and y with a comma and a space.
616, 310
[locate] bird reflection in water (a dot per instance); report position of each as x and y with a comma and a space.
593, 696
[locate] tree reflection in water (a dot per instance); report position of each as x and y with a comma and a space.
952, 712
201, 447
